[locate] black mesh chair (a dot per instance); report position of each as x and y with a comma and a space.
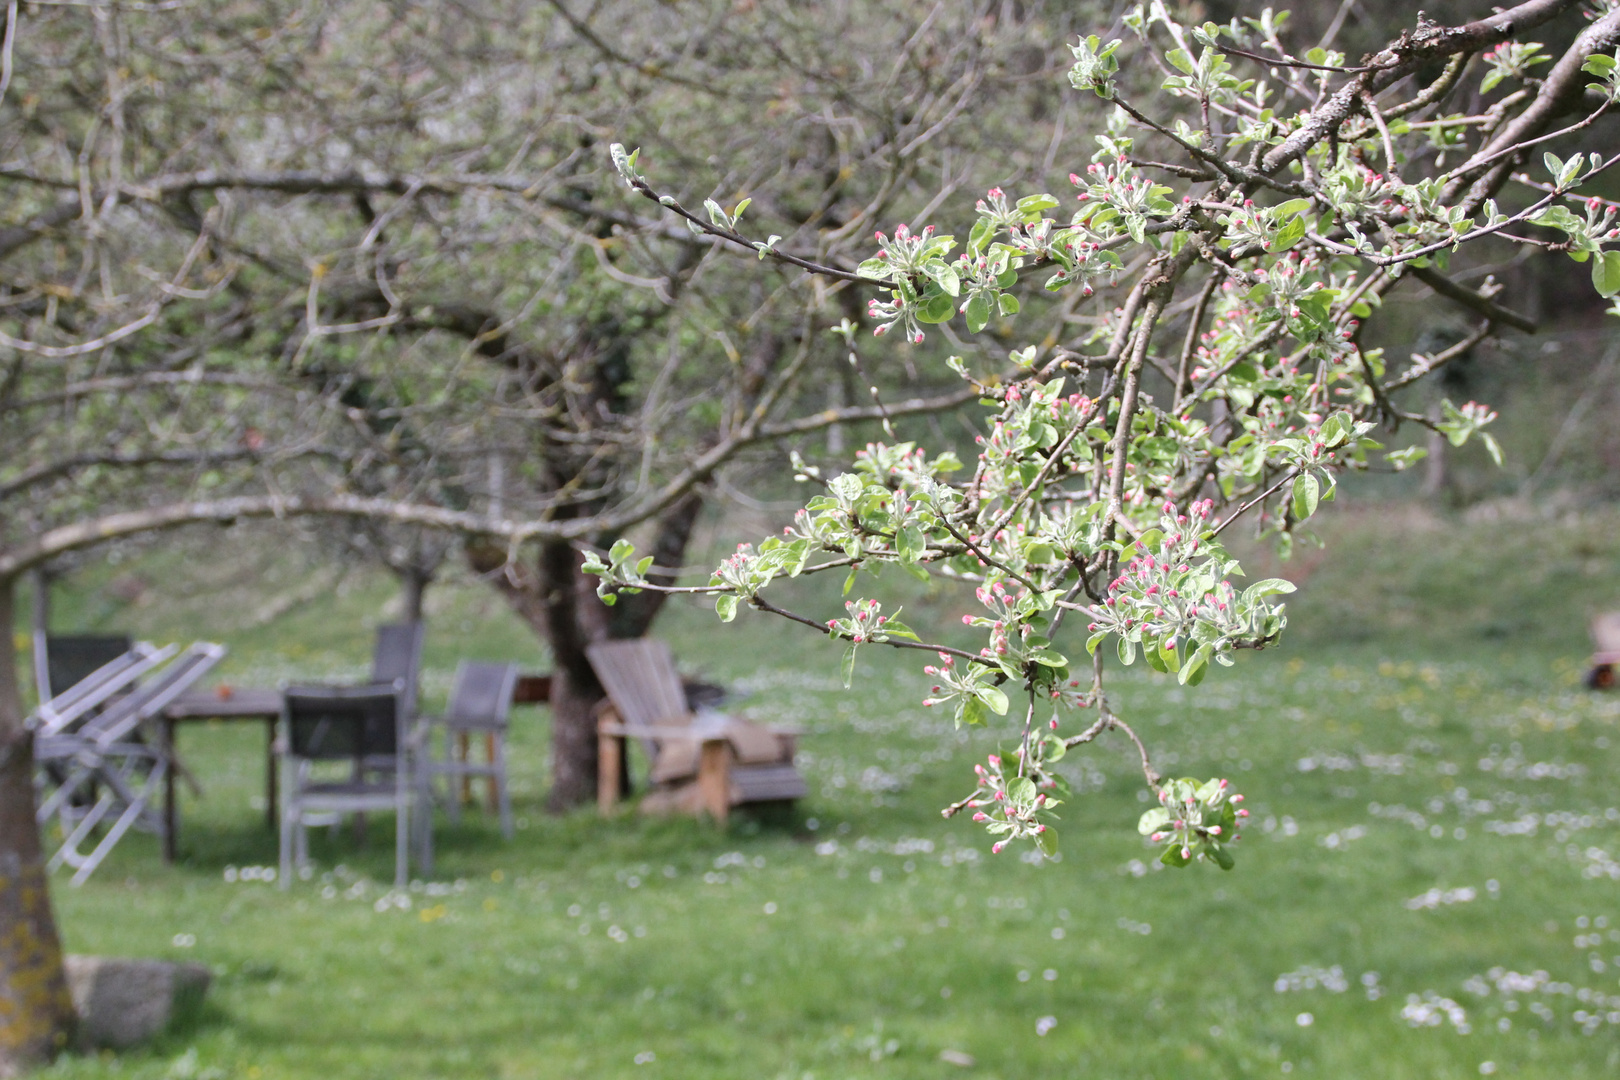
480, 702
357, 725
67, 708
72, 658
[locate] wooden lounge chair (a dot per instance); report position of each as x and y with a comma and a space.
702, 761
1605, 651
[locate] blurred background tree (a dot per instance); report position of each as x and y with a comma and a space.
371, 260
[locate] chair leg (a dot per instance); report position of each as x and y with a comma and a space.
498, 781
491, 788
132, 813
423, 814
714, 778
402, 836
609, 749
61, 797
69, 851
454, 776
289, 812
463, 757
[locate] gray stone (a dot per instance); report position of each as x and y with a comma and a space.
125, 1002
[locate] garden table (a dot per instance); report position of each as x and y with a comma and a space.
259, 704
235, 704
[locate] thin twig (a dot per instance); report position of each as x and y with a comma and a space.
1246, 507
668, 202
765, 605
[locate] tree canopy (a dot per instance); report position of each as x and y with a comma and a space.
1235, 234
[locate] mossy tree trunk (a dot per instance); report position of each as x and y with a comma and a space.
36, 1013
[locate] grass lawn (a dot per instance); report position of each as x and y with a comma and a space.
1429, 886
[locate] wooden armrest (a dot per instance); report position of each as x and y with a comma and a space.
663, 731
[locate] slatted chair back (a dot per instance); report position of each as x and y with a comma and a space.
71, 658
119, 720
640, 679
332, 723
63, 712
397, 655
481, 696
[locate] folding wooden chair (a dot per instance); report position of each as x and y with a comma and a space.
702, 761
112, 755
63, 660
63, 710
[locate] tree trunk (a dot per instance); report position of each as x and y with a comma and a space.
36, 1013
40, 624
570, 627
1435, 474
413, 584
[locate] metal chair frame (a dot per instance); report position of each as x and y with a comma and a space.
385, 775
397, 654
118, 763
480, 703
64, 711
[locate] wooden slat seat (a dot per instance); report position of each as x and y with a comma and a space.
768, 783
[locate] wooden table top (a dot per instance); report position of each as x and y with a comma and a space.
261, 703
244, 703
